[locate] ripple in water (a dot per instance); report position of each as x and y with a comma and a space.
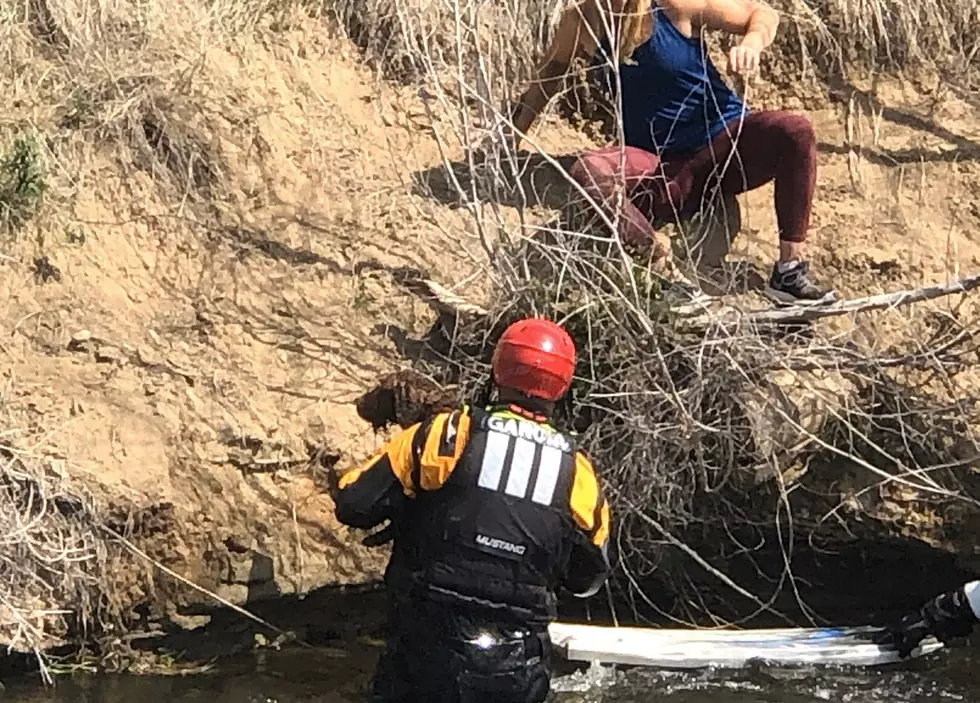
302, 677
943, 678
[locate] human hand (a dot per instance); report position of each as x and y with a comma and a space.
945, 617
743, 60
905, 635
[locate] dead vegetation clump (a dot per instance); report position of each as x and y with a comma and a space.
482, 52
122, 77
81, 567
883, 35
405, 40
724, 442
62, 575
50, 554
727, 439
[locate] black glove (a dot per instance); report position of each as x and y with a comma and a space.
382, 536
332, 483
946, 617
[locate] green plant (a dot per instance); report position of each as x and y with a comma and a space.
22, 182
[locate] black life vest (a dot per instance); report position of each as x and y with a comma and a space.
498, 534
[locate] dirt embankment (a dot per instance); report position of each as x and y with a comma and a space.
206, 284
195, 302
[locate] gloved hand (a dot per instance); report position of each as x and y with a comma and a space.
946, 617
382, 536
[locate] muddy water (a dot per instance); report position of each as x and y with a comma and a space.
298, 676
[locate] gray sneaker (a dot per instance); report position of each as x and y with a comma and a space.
795, 287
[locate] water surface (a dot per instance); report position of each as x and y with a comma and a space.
299, 676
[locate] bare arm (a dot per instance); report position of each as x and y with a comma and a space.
753, 20
579, 28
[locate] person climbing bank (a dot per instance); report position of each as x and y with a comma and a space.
687, 136
493, 510
947, 616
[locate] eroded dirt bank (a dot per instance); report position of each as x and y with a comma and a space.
192, 308
209, 282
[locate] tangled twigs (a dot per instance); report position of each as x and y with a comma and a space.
49, 556
703, 430
445, 301
722, 436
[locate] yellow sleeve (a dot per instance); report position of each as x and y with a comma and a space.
396, 456
438, 444
588, 504
445, 443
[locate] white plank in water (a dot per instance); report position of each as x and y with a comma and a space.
692, 648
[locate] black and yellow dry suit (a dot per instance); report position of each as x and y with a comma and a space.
492, 511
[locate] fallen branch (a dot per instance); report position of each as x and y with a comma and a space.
187, 582
441, 299
799, 313
445, 301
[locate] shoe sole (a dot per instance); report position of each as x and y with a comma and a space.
782, 298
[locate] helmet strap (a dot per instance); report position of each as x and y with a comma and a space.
566, 407
485, 393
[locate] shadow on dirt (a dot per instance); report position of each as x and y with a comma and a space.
964, 148
531, 179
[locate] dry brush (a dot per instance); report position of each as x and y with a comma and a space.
730, 443
68, 578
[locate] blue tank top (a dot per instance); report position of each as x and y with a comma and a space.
674, 101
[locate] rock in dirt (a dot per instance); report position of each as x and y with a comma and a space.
81, 341
109, 355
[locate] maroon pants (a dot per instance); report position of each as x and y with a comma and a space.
762, 147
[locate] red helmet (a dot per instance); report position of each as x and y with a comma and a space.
536, 357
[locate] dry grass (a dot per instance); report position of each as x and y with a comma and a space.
52, 554
884, 35
817, 39
498, 42
69, 571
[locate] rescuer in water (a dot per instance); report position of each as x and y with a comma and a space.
493, 510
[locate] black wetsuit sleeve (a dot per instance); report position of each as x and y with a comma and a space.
376, 491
